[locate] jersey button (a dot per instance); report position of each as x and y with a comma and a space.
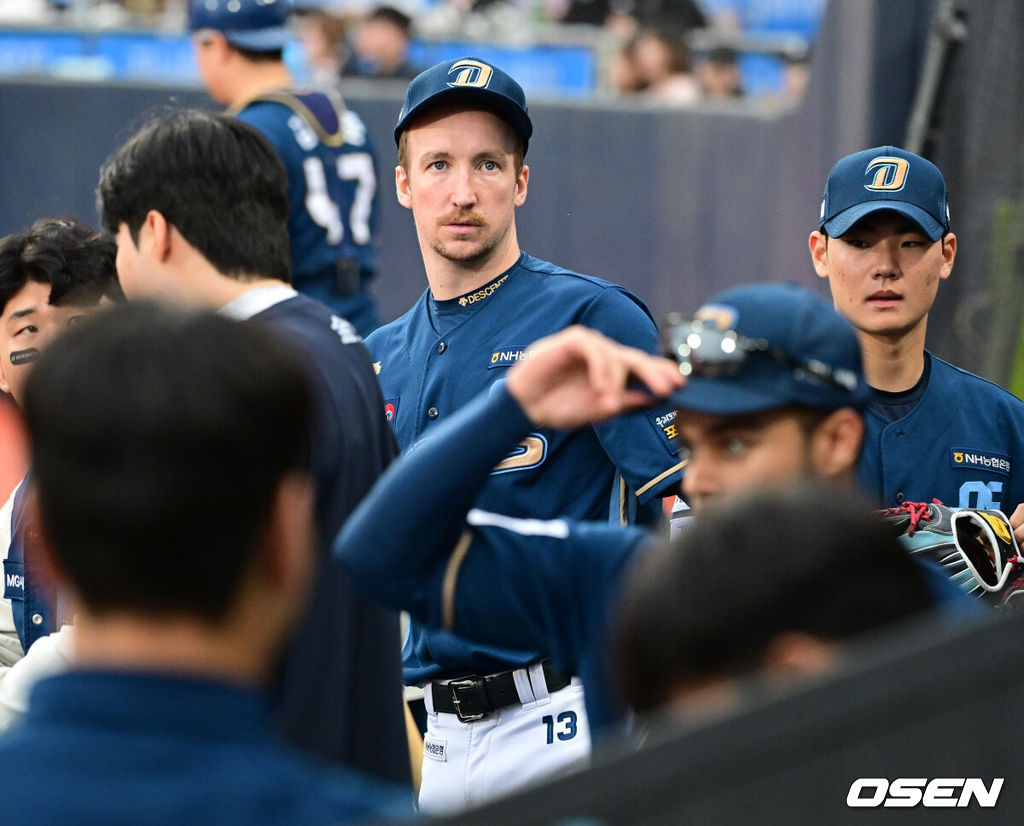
900, 497
441, 347
37, 619
433, 413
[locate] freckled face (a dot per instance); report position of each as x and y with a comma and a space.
884, 272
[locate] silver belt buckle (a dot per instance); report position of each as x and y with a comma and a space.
456, 684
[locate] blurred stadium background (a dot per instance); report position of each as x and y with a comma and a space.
674, 202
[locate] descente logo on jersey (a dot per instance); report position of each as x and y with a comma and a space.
483, 292
961, 457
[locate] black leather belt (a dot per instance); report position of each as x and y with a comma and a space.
473, 698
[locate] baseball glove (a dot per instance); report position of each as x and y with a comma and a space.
976, 548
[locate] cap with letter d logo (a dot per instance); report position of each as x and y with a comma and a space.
885, 177
472, 81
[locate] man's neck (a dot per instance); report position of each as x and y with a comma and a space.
450, 279
178, 646
260, 79
893, 363
222, 291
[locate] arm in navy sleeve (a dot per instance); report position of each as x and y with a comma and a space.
397, 542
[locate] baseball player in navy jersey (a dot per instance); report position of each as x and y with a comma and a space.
198, 201
462, 136
51, 276
934, 431
780, 402
325, 148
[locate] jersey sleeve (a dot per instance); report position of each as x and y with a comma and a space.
546, 585
642, 445
399, 553
536, 584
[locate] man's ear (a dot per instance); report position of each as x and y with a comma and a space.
818, 245
4, 384
158, 235
290, 541
216, 47
402, 187
521, 186
836, 443
948, 254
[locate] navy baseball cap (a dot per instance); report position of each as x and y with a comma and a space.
763, 346
469, 80
254, 25
885, 177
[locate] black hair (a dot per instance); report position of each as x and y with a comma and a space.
397, 18
159, 436
798, 558
216, 179
259, 55
76, 261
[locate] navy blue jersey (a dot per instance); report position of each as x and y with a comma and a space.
961, 444
341, 684
115, 747
441, 354
332, 190
549, 585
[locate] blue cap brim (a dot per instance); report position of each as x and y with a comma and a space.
725, 397
763, 386
260, 40
842, 222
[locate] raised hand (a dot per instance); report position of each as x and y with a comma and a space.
579, 376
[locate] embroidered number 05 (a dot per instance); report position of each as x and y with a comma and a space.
567, 720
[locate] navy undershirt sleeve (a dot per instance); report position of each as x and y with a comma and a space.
407, 526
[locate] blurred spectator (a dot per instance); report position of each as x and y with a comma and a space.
662, 64
795, 76
719, 74
323, 41
626, 16
381, 47
623, 72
